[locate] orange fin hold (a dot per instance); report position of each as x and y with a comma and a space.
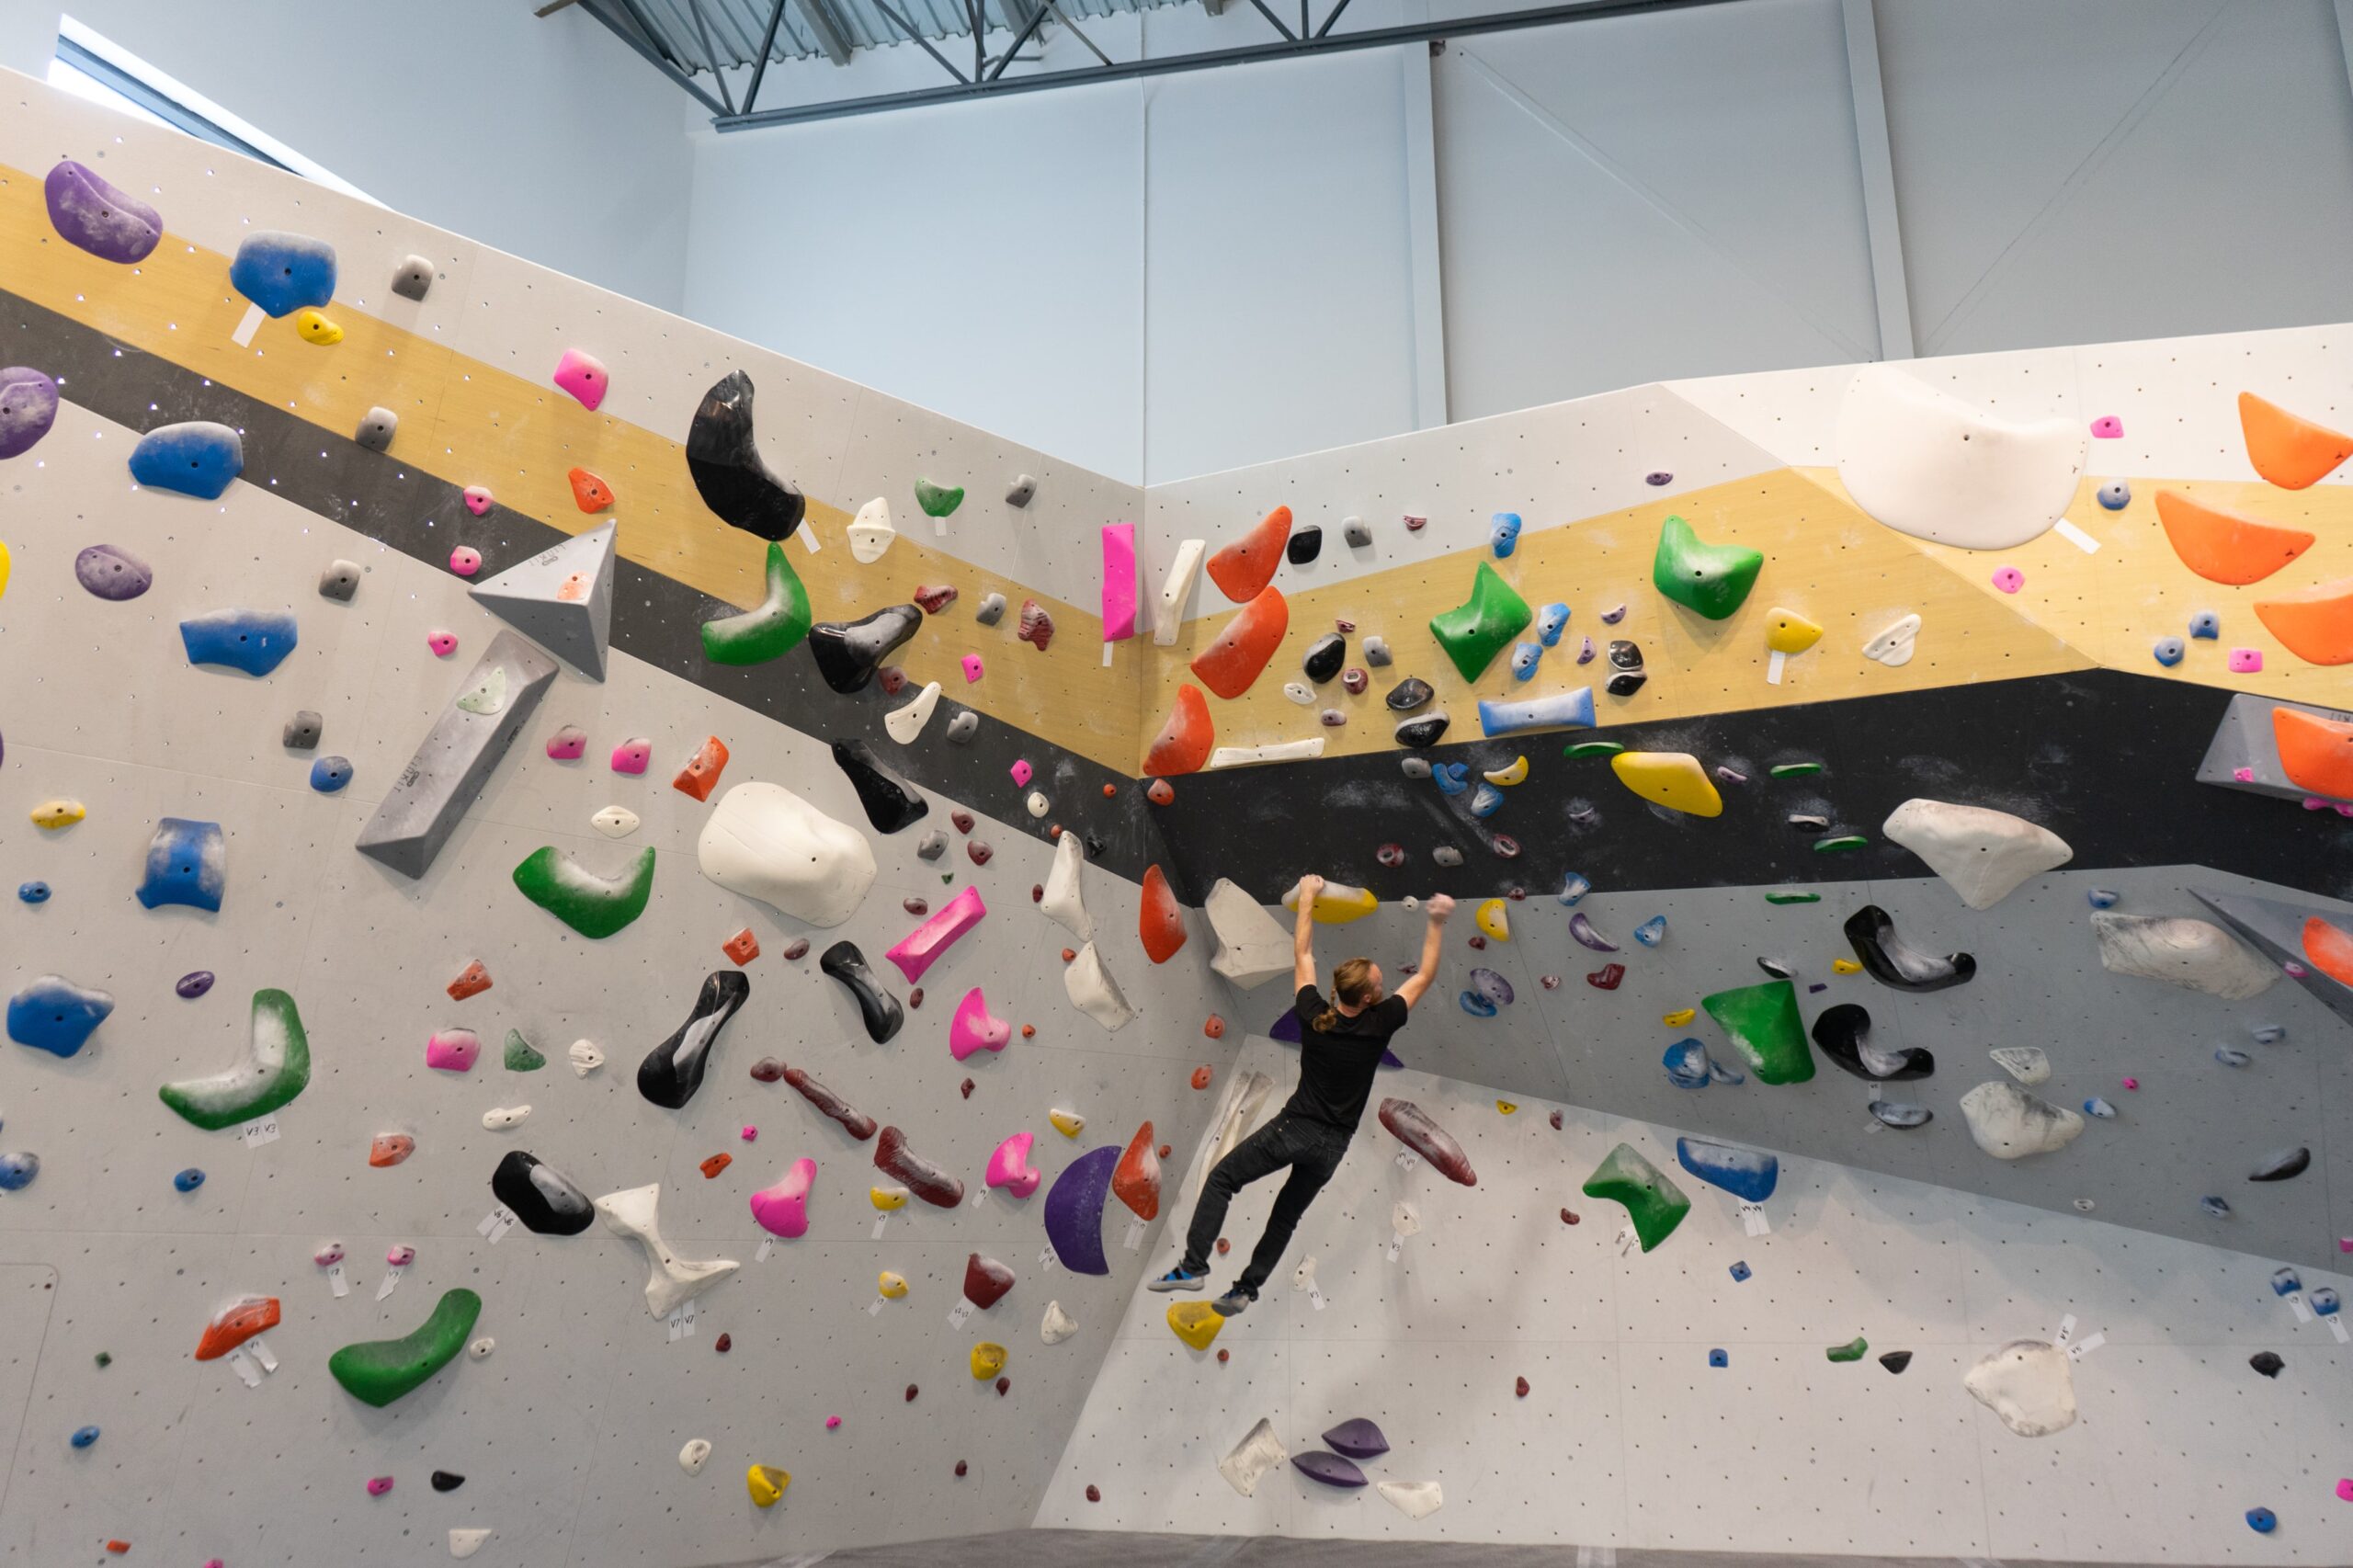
2223, 546
1159, 922
591, 493
472, 981
1135, 1180
701, 775
2315, 625
1183, 744
2286, 449
2330, 949
2315, 753
233, 1324
1243, 569
1229, 663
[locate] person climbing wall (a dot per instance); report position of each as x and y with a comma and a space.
1341, 1044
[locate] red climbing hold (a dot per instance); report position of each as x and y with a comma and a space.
1223, 1356
1029, 1031
1094, 1495
472, 981
1135, 1180
911, 1394
1159, 923
1183, 744
591, 493
700, 773
1520, 1387
1243, 569
1160, 792
1203, 1075
724, 1343
1037, 627
1607, 977
1213, 1027
985, 1281
959, 1470
1242, 648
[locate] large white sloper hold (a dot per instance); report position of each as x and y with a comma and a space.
1063, 901
1982, 854
464, 1543
1245, 1092
2029, 1383
2009, 1124
767, 843
671, 1281
1174, 589
2196, 955
1259, 1451
1251, 948
561, 598
1093, 990
1928, 464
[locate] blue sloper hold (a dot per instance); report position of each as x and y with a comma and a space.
1651, 932
1686, 1065
84, 1436
1550, 621
16, 1171
197, 457
330, 774
2102, 898
1718, 1359
1740, 1272
1750, 1174
1560, 710
2167, 650
282, 272
1523, 660
253, 641
1478, 1006
33, 893
54, 1014
1503, 533
187, 862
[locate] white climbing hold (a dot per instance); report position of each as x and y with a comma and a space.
1274, 751
480, 1349
1259, 1451
614, 822
691, 1457
585, 1057
871, 532
905, 723
464, 1543
2026, 1063
1094, 991
2009, 1124
1928, 464
2195, 954
1245, 1092
1252, 948
1063, 902
671, 1281
1404, 1219
767, 843
1895, 646
2029, 1383
1038, 806
1174, 589
500, 1117
1982, 854
1414, 1499
1059, 1325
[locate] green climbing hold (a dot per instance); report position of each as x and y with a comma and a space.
937, 500
1850, 1351
1792, 897
1796, 770
770, 631
1763, 1024
521, 1055
1654, 1203
1592, 748
1839, 841
104, 1360
275, 1068
1473, 633
377, 1371
588, 904
1707, 579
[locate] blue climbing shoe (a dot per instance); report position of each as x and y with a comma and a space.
1234, 1303
1178, 1280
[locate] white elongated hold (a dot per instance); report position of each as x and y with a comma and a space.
1404, 1219
767, 843
671, 1281
1174, 588
1064, 901
2029, 1383
2009, 1124
1059, 1325
1928, 464
464, 1543
500, 1117
1895, 646
871, 532
614, 822
1252, 948
585, 1057
2026, 1063
1303, 1277
1094, 991
905, 723
1414, 1499
1245, 1092
1259, 1451
1982, 854
2195, 954
692, 1457
1279, 751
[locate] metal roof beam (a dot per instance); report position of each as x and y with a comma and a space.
625, 26
826, 28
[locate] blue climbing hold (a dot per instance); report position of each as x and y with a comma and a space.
1451, 777
16, 1171
282, 272
2326, 1302
2262, 1521
1486, 800
1720, 1074
33, 893
253, 641
1573, 888
2103, 898
1561, 710
188, 1181
197, 457
1523, 660
1750, 1174
2115, 495
187, 862
54, 1014
2218, 1208
2099, 1107
2168, 651
330, 774
2267, 1034
1718, 1359
1550, 621
84, 1436
1651, 932
1740, 1273
2231, 1058
1686, 1065
2286, 1281
1503, 533
2206, 624
1478, 1006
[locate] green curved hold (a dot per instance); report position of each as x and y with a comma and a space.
1712, 580
1653, 1201
522, 1056
377, 1371
588, 904
1763, 1024
937, 500
1473, 633
276, 1068
1593, 748
1793, 898
771, 630
1851, 1351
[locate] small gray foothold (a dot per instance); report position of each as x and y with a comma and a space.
412, 277
377, 429
991, 609
302, 730
962, 728
339, 581
1447, 855
1024, 487
1356, 530
1414, 766
1376, 652
932, 845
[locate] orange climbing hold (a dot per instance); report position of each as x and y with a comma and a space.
1183, 744
1243, 569
591, 493
472, 981
233, 1325
742, 946
715, 1165
2330, 948
388, 1149
2288, 449
1159, 922
2317, 625
2315, 753
2223, 546
1135, 1180
701, 775
1234, 659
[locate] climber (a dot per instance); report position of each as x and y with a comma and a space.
1341, 1044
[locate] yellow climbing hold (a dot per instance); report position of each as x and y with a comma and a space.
1495, 919
58, 813
1507, 1106
6, 564
315, 328
1677, 1019
1515, 774
1845, 966
893, 1285
1195, 1323
1786, 631
988, 1360
887, 1198
767, 1484
1069, 1123
1671, 779
1337, 904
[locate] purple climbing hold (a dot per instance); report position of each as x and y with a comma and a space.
108, 571
1493, 986
110, 225
1359, 1439
1658, 476
28, 408
1286, 1028
1329, 1468
193, 983
1074, 1212
1583, 930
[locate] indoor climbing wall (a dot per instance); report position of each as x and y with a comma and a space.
535, 1030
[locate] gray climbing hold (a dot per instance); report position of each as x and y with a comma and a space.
302, 730
2284, 1166
2010, 1124
962, 728
1021, 492
933, 845
339, 581
1414, 766
561, 599
1356, 530
2229, 1058
990, 611
1376, 652
456, 758
377, 428
412, 277
2219, 1209
2194, 954
1447, 855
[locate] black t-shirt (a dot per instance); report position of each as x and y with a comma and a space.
1335, 1066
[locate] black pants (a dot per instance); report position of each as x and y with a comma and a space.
1312, 1149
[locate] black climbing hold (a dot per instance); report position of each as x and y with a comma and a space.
849, 652
2282, 1166
1324, 657
1626, 658
1896, 1360
890, 800
1306, 544
1844, 1035
1423, 732
2267, 1362
726, 466
443, 1480
1779, 968
547, 1201
1409, 694
1871, 930
673, 1070
878, 1006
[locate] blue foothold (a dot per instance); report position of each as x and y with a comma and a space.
2286, 1283
1740, 1273
282, 272
1750, 1174
1718, 1359
187, 862
1651, 932
1573, 888
188, 1181
54, 1014
2262, 1521
2115, 495
33, 893
1550, 621
2168, 651
1503, 533
253, 641
16, 1171
1451, 777
1523, 660
2099, 1107
2103, 898
2219, 1208
1478, 1006
1486, 800
2206, 624
330, 774
199, 459
1686, 1065
84, 1436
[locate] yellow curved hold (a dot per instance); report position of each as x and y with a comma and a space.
767, 1484
1337, 904
1786, 631
1195, 1323
58, 813
1495, 919
1507, 1106
1677, 1019
1671, 779
7, 564
988, 1359
1515, 774
1845, 966
314, 327
887, 1198
1069, 1123
893, 1285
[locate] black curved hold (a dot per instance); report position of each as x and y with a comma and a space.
1896, 1360
849, 652
1843, 1033
1872, 931
548, 1202
891, 802
727, 469
1324, 656
1626, 658
2283, 1165
878, 1006
1306, 542
445, 1480
1409, 694
673, 1070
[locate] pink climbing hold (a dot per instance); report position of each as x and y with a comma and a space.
2345, 1486
831, 1422
444, 642
2009, 579
452, 1051
465, 561
2132, 1083
2243, 775
783, 1210
921, 948
1022, 772
400, 1254
1118, 582
478, 499
1010, 1167
973, 1030
2107, 428
2247, 660
2293, 969
568, 744
971, 668
749, 1134
378, 1485
583, 377
631, 756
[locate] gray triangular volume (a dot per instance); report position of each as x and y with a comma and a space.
561, 598
455, 759
2314, 939
2245, 743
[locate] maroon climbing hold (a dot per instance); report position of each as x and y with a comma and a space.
1478, 941
1223, 1356
796, 949
1093, 1496
914, 997
985, 1281
959, 1470
919, 1175
1552, 982
1556, 1126
892, 679
935, 598
1355, 680
916, 905
767, 1070
1037, 627
1037, 893
1521, 1387
911, 1394
965, 1088
1390, 855
724, 1343
1607, 977
1412, 1126
1003, 1386
978, 850
856, 1122
964, 820
1506, 846
1568, 1217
